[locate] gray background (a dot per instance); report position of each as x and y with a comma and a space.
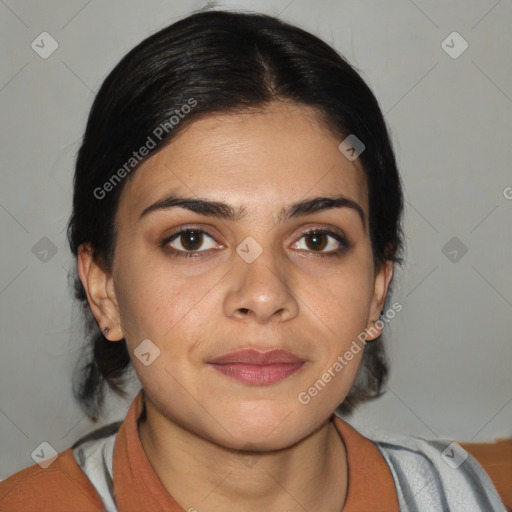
451, 120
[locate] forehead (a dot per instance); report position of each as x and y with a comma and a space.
260, 159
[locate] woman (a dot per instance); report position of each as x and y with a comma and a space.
236, 222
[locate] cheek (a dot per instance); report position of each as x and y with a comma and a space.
149, 302
341, 300
160, 303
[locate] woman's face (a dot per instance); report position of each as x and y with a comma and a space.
253, 279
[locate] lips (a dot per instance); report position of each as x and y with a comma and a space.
257, 368
252, 356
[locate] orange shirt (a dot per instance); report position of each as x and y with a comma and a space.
63, 487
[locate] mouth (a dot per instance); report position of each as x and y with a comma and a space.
258, 368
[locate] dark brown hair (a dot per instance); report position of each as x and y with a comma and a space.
227, 62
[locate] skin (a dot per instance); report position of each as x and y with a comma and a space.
199, 422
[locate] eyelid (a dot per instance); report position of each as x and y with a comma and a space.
340, 237
185, 229
328, 230
190, 227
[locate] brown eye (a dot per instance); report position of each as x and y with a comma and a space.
189, 241
318, 241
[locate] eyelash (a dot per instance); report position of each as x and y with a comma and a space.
344, 244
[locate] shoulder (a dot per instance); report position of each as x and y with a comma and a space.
61, 487
437, 473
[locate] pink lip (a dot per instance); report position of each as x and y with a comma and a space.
254, 367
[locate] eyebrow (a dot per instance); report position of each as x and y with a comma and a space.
225, 211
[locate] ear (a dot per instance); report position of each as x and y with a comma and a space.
382, 280
101, 296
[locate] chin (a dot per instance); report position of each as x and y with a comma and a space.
266, 431
259, 441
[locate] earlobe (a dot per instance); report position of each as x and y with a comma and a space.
382, 281
100, 293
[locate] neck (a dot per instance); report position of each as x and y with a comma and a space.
199, 474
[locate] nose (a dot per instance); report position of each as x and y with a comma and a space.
261, 290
